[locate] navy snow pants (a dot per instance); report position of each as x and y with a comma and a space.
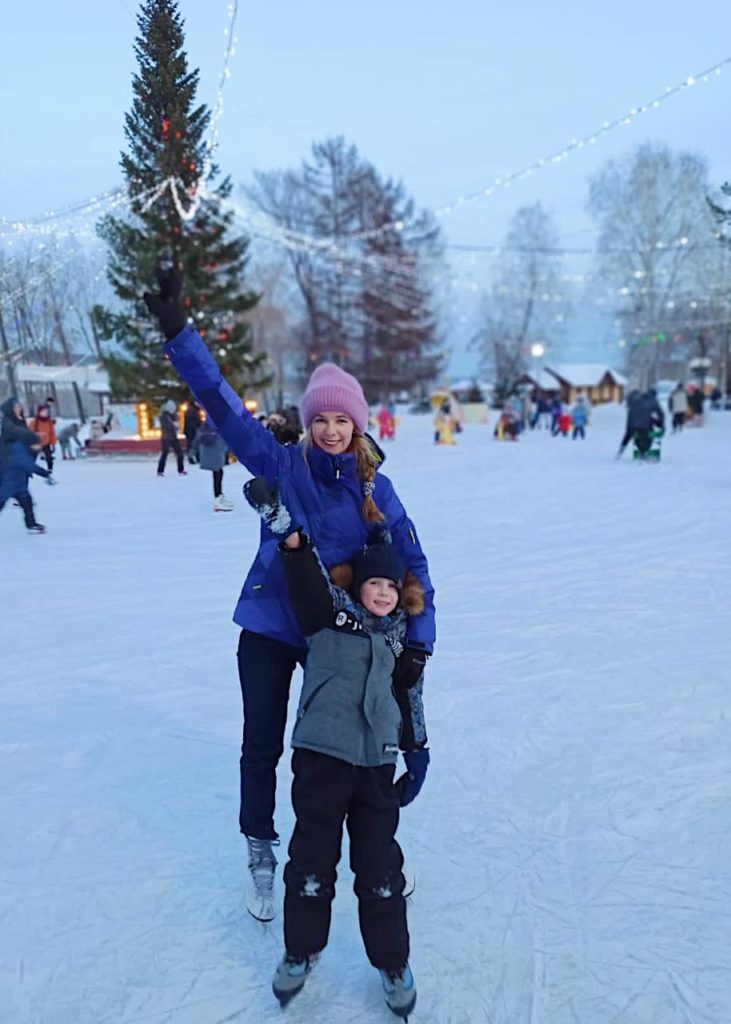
265, 674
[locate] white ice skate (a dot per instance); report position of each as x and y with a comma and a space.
222, 504
260, 881
291, 975
399, 990
409, 880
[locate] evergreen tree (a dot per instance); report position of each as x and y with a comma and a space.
368, 295
165, 135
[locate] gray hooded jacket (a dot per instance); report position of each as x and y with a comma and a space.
347, 708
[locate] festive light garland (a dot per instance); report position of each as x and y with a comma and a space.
559, 155
261, 226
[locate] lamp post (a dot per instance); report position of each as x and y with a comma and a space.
537, 350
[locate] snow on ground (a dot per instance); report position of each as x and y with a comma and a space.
572, 842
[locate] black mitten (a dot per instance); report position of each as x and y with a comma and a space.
165, 305
408, 668
264, 499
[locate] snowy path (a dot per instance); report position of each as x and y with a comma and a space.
572, 844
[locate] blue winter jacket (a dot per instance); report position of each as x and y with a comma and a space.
17, 465
321, 491
580, 414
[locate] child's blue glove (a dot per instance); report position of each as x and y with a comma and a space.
264, 499
410, 783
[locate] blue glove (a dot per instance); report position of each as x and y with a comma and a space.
50, 481
410, 783
264, 499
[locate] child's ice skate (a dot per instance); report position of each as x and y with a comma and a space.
400, 991
260, 883
290, 976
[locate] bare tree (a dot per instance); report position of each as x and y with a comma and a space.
653, 248
526, 304
361, 256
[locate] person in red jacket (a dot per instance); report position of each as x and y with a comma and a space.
43, 424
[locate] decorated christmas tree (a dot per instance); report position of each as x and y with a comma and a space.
176, 214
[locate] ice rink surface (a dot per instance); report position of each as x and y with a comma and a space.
572, 843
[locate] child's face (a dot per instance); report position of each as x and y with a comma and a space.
379, 596
332, 431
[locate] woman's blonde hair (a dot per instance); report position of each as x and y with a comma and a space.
366, 463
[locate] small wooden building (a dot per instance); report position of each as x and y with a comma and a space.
543, 384
598, 382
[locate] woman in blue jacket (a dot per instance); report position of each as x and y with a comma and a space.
330, 483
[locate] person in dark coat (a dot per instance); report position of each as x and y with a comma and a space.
13, 425
334, 486
350, 726
169, 438
644, 414
211, 452
191, 424
17, 462
695, 400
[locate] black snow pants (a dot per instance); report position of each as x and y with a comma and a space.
167, 444
26, 503
325, 793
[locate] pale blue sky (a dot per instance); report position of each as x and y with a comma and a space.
446, 96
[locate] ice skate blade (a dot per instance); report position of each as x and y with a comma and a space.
264, 912
403, 1011
286, 997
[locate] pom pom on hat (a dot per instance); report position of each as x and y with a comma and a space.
331, 389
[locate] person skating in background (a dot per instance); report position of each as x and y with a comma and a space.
353, 717
43, 424
556, 408
563, 423
386, 424
443, 425
579, 417
67, 438
18, 448
696, 398
335, 481
210, 451
191, 424
279, 424
678, 407
169, 438
644, 415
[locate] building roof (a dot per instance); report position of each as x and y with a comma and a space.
92, 377
585, 375
544, 381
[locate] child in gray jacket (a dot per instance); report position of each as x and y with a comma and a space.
351, 722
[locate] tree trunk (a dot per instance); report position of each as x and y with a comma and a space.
8, 357
67, 352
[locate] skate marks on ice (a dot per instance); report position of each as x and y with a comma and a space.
571, 842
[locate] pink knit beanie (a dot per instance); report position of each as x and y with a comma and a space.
331, 389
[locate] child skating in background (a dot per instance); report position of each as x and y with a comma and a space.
66, 437
210, 451
579, 417
18, 448
44, 425
353, 718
